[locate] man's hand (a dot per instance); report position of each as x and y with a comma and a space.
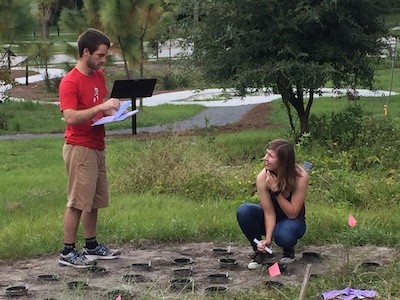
111, 105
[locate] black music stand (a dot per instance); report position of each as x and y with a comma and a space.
133, 88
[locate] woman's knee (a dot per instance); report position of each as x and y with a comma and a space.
247, 210
285, 239
242, 210
244, 213
286, 234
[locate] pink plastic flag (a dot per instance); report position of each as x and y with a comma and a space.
118, 297
274, 270
352, 221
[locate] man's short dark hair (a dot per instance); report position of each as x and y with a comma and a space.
92, 39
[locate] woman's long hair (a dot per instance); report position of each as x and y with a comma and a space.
287, 170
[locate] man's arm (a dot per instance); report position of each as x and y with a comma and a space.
76, 117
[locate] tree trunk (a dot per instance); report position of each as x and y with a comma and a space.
26, 72
126, 68
45, 29
157, 54
9, 60
170, 49
141, 65
45, 10
296, 100
196, 12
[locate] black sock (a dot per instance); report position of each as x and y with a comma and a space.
91, 243
68, 248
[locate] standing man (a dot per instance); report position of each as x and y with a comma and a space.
82, 95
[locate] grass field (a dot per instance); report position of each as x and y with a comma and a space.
191, 187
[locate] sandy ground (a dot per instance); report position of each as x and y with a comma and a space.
123, 277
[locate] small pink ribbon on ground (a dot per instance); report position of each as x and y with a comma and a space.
348, 294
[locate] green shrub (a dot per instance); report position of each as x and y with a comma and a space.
3, 120
341, 131
365, 142
169, 82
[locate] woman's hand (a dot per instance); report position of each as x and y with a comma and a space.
263, 244
272, 181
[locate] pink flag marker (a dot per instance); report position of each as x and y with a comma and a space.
274, 270
118, 297
351, 221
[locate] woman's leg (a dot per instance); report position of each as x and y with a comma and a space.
288, 231
250, 217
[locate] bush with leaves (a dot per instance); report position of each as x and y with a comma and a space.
340, 131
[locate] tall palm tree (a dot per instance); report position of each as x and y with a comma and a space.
42, 52
149, 16
46, 9
15, 19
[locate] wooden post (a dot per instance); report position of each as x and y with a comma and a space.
305, 282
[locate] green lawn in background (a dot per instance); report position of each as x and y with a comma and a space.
30, 117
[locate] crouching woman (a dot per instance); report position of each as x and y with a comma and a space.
280, 217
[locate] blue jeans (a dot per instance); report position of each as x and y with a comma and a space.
250, 217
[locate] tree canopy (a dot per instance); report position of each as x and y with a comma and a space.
294, 47
15, 19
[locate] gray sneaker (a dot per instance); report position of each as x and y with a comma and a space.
288, 256
101, 252
75, 259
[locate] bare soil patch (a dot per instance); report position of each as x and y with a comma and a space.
155, 281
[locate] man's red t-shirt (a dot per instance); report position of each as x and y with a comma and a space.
79, 91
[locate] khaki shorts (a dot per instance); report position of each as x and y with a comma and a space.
87, 177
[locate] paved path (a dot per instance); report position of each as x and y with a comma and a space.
211, 116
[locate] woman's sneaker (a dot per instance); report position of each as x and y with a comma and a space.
258, 259
101, 252
75, 259
288, 256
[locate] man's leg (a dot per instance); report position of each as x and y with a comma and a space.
89, 223
92, 249
69, 256
80, 194
71, 222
